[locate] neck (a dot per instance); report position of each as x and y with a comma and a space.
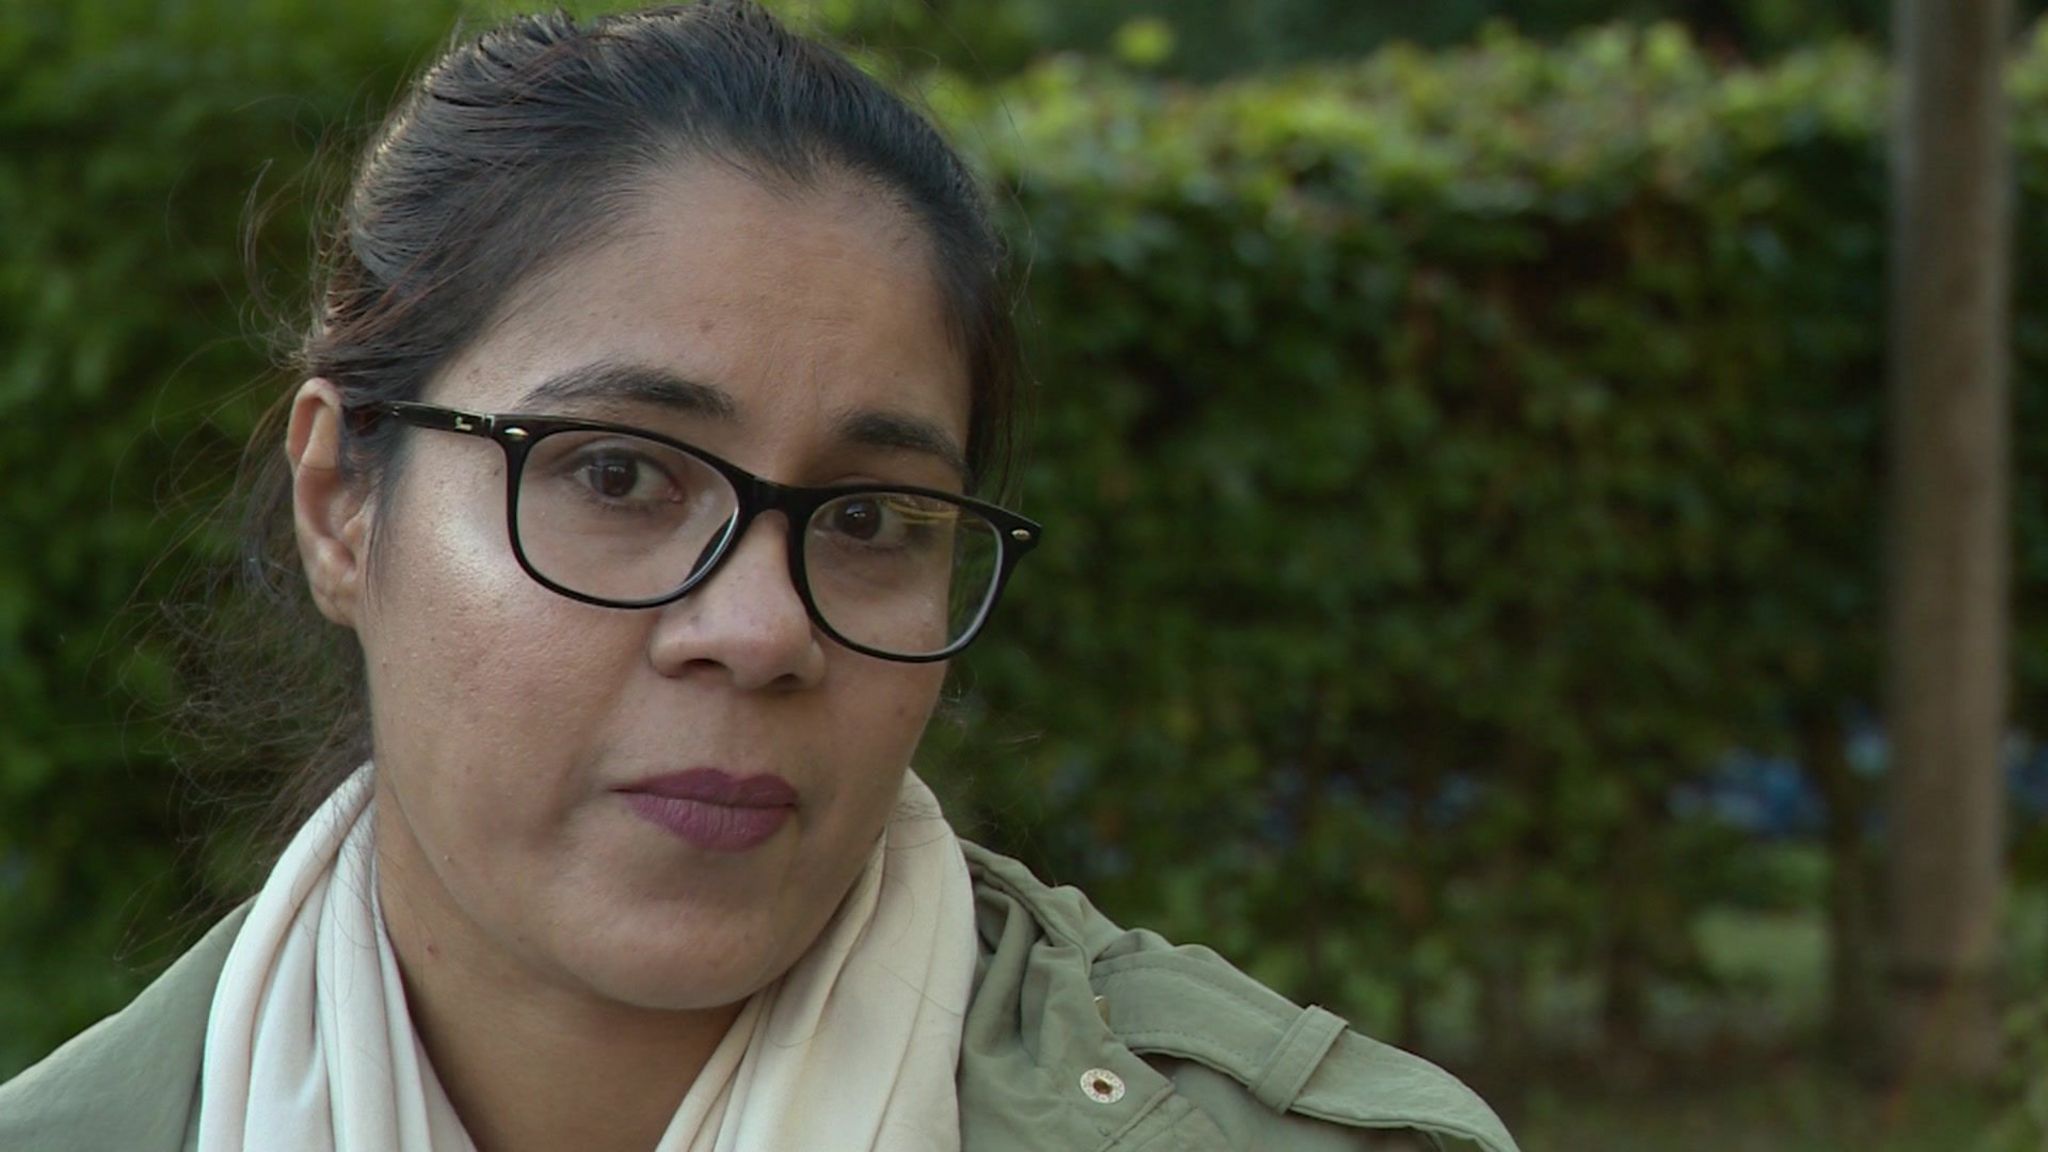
528, 1062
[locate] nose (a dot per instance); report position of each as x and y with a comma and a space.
745, 621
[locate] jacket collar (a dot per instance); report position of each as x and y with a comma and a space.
1062, 994
132, 1080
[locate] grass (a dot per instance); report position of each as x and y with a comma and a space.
1737, 1071
1758, 1106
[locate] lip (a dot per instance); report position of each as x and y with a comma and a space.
712, 809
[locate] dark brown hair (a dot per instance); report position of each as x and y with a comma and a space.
518, 148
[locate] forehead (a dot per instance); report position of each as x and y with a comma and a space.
808, 306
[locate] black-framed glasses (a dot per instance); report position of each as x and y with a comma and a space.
626, 518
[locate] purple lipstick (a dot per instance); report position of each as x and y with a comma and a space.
713, 810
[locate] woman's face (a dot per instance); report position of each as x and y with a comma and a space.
513, 725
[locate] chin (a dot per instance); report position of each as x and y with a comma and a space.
669, 968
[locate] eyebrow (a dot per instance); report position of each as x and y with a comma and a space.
903, 434
610, 384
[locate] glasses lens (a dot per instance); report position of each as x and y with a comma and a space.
620, 517
904, 574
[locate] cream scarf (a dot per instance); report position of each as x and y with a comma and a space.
310, 1047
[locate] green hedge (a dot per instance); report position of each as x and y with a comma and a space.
1446, 458
133, 136
1443, 457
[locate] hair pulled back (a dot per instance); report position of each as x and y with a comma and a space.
517, 149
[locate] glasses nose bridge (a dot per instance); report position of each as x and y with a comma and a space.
757, 495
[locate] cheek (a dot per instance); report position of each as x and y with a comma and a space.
467, 657
866, 738
439, 544
890, 709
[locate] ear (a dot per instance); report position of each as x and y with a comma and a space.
330, 511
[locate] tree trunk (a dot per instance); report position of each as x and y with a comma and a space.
1948, 612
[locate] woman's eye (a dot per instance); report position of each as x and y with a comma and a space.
858, 519
888, 522
615, 476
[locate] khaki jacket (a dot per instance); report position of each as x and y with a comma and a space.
1067, 1010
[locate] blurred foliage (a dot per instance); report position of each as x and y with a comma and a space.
1209, 39
1444, 457
135, 139
2024, 1125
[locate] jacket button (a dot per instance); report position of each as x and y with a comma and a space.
1102, 1085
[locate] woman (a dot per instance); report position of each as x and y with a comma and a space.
634, 444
